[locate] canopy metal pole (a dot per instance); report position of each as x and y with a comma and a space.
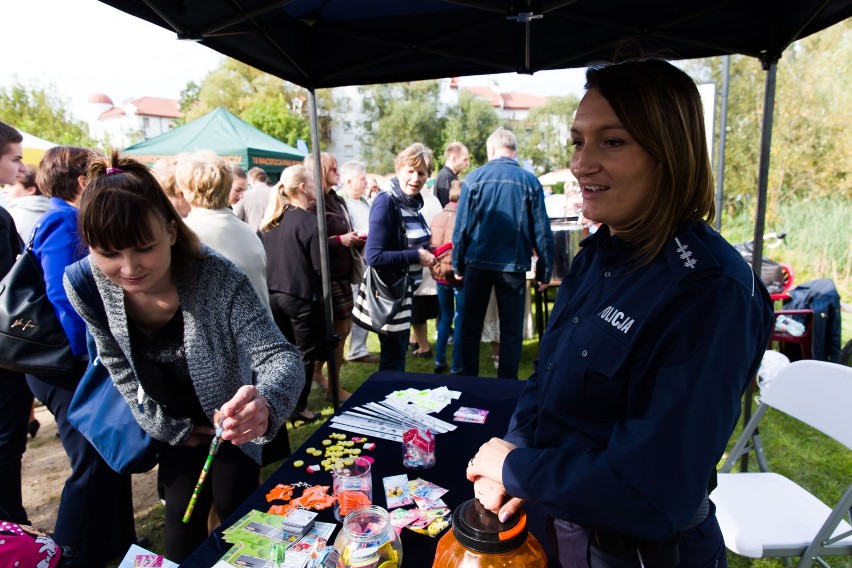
331, 338
770, 65
723, 134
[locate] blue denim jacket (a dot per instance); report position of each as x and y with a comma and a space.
501, 217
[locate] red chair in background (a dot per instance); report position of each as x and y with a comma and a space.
795, 347
789, 277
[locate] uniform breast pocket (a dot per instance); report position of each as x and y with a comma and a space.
605, 380
559, 305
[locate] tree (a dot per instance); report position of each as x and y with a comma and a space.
268, 103
397, 115
546, 139
41, 112
470, 122
810, 138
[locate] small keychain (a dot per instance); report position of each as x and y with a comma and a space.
214, 447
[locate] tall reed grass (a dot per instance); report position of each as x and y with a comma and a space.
818, 242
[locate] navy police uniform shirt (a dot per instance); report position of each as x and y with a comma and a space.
638, 384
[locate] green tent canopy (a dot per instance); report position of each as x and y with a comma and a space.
233, 139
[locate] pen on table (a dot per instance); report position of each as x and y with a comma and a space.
214, 447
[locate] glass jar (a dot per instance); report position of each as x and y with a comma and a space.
368, 540
480, 540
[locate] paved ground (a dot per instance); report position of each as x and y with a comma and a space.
45, 468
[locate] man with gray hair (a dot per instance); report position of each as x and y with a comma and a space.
353, 187
501, 221
253, 204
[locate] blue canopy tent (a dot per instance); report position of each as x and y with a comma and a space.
329, 43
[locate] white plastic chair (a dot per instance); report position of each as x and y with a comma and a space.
765, 514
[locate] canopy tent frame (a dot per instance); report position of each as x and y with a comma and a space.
704, 28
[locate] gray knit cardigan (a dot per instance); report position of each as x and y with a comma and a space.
230, 341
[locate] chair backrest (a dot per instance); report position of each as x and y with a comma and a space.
817, 393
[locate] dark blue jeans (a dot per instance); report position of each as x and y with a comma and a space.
16, 400
509, 290
95, 515
392, 354
451, 302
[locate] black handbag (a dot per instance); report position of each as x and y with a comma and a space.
32, 340
384, 306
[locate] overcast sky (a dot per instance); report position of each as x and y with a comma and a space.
84, 47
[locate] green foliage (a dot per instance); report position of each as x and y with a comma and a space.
274, 118
272, 105
470, 122
40, 111
546, 139
818, 242
810, 138
397, 115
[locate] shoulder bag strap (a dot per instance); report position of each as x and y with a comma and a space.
81, 278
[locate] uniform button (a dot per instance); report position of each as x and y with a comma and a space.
607, 274
575, 319
584, 353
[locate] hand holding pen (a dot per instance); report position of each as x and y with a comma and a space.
214, 447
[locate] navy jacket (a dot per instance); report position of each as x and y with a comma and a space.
501, 218
638, 384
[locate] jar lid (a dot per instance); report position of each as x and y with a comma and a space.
478, 529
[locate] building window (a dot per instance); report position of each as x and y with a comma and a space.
349, 151
145, 123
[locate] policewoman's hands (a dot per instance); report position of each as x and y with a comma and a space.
244, 417
485, 470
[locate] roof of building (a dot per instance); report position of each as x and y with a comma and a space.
154, 106
145, 106
100, 98
509, 101
111, 113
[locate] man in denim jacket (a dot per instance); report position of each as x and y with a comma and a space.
501, 222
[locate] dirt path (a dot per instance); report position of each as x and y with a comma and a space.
45, 468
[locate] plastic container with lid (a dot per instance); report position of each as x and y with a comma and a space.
480, 540
368, 540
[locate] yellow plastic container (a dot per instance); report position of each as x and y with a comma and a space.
480, 540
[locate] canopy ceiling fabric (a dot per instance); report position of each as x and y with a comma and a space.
235, 140
330, 43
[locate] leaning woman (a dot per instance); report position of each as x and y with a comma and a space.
398, 240
291, 239
187, 343
656, 331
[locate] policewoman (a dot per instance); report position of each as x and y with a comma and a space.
656, 332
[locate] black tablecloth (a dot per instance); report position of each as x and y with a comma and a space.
453, 450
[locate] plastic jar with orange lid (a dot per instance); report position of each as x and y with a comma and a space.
479, 540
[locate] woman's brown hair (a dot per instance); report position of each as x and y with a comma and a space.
28, 179
327, 163
118, 205
59, 172
661, 108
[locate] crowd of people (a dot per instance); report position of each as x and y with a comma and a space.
211, 280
